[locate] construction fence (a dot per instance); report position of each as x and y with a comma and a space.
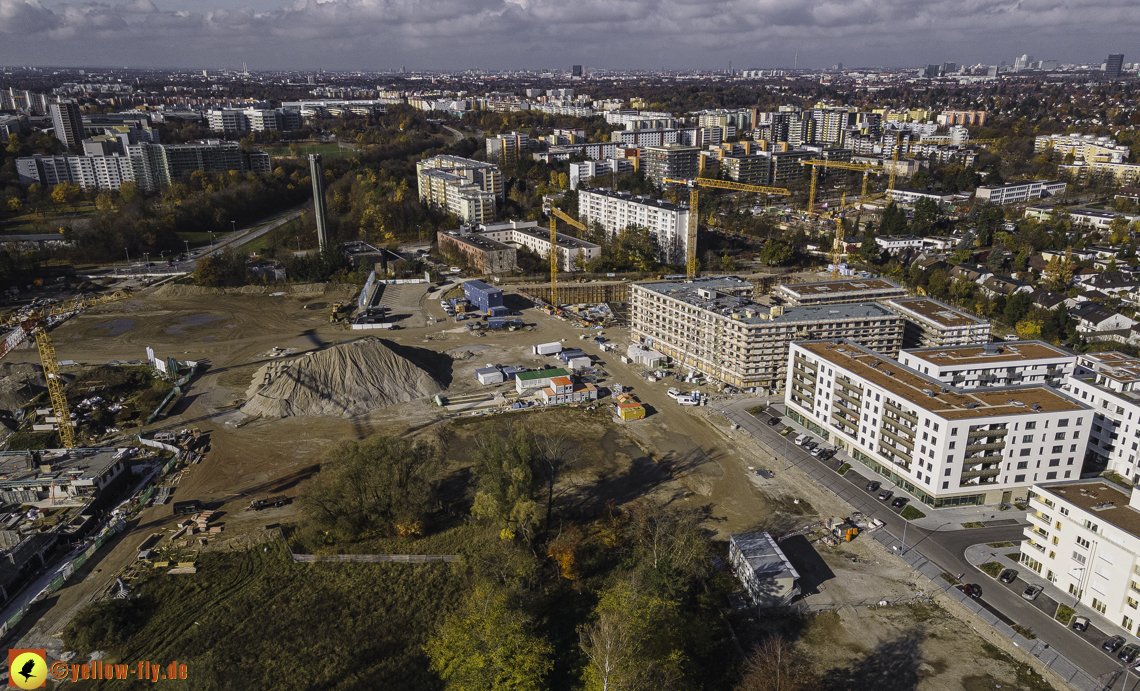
365, 558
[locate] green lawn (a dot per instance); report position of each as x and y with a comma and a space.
991, 568
329, 150
910, 513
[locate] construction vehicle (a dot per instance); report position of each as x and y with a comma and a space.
691, 244
268, 501
556, 213
337, 309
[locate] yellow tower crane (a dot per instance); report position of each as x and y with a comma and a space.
691, 243
555, 214
34, 325
816, 164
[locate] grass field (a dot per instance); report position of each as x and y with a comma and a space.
49, 221
329, 150
256, 620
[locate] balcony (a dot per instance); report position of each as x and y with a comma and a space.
894, 454
846, 396
802, 363
1034, 531
985, 472
845, 417
982, 458
975, 434
900, 412
996, 446
900, 440
1034, 545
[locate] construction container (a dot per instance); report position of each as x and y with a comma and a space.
571, 353
489, 375
497, 312
510, 371
577, 363
631, 411
528, 381
484, 297
547, 348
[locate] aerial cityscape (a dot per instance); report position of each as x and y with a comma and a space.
347, 346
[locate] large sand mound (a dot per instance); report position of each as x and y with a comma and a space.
349, 379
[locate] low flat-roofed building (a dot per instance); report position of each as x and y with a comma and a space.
1011, 363
528, 234
946, 445
1084, 538
763, 569
480, 253
838, 292
712, 326
60, 476
930, 323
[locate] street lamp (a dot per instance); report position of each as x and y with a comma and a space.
187, 243
233, 225
128, 256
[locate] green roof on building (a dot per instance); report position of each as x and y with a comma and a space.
542, 374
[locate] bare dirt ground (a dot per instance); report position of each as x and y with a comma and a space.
687, 456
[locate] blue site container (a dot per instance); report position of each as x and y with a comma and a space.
484, 297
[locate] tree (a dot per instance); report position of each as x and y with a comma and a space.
1058, 273
774, 665
869, 250
505, 482
777, 253
1028, 329
1016, 307
920, 180
988, 222
1118, 227
893, 221
128, 191
65, 193
925, 214
489, 645
208, 272
994, 178
383, 484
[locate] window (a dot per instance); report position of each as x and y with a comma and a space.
1064, 511
1051, 476
1082, 542
1054, 462
1079, 558
1099, 606
945, 485
1090, 525
1059, 448
1126, 623
1027, 439
952, 444
1022, 465
1031, 425
947, 472
1019, 478
954, 432
1063, 422
1060, 436
1025, 452
936, 427
1132, 601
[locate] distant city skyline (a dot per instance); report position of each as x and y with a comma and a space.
531, 34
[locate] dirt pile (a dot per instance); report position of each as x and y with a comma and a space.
15, 380
350, 379
174, 290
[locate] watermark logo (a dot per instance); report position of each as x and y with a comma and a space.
27, 668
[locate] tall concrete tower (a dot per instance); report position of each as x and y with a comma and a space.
317, 173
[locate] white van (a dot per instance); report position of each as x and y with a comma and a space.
801, 439
688, 400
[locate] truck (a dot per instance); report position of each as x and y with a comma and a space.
191, 506
268, 501
547, 348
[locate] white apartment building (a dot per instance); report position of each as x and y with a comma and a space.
1083, 147
712, 326
616, 211
1012, 363
1110, 383
1122, 173
107, 172
583, 171
934, 324
469, 189
1084, 537
945, 445
1020, 191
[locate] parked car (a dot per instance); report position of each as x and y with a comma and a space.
811, 445
818, 451
1129, 653
1032, 592
873, 485
454, 269
443, 303
1008, 576
1113, 644
773, 421
886, 495
1079, 623
827, 454
972, 590
900, 501
673, 393
798, 441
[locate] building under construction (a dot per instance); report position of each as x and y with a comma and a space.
712, 326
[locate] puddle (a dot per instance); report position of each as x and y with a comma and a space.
192, 320
208, 339
230, 326
117, 326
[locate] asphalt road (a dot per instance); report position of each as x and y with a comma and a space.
945, 547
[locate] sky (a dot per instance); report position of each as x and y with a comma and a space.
537, 34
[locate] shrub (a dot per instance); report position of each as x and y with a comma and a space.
992, 569
1065, 614
844, 468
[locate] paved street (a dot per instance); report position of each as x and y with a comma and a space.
944, 546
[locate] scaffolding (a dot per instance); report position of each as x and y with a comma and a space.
570, 294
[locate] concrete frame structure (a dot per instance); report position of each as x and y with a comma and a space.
763, 569
947, 446
712, 326
839, 292
317, 172
934, 324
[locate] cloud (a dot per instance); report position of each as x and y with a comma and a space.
535, 33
